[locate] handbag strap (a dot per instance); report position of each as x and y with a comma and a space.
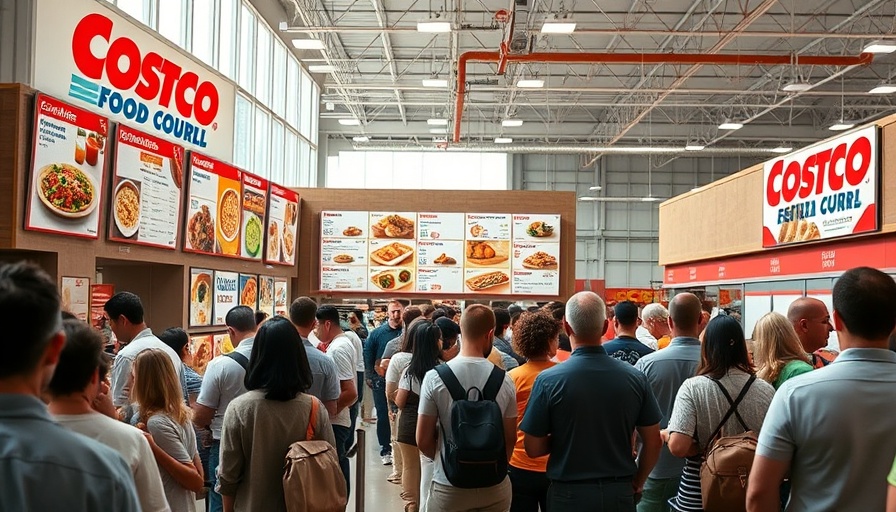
732, 410
312, 420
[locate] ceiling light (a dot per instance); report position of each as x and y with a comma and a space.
435, 82
440, 139
694, 147
322, 68
596, 187
880, 47
554, 26
308, 44
350, 122
438, 130
883, 89
437, 122
503, 140
512, 123
588, 198
650, 199
797, 87
532, 83
782, 149
730, 126
361, 138
434, 25
840, 126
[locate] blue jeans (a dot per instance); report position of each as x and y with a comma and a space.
657, 492
605, 495
214, 458
343, 437
383, 431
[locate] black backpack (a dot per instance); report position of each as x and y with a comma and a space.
476, 456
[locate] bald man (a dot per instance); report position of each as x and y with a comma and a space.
812, 322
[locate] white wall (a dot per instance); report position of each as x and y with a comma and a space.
15, 40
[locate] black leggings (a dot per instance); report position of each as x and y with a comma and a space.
530, 490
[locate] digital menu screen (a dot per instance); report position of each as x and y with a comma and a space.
255, 202
282, 229
214, 208
67, 171
146, 189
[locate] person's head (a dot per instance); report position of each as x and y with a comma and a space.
724, 348
125, 313
426, 340
811, 321
407, 341
29, 309
864, 308
438, 313
394, 310
585, 319
157, 387
449, 334
502, 321
79, 365
686, 315
427, 310
302, 314
178, 340
477, 328
356, 317
410, 314
557, 309
536, 336
450, 313
328, 327
655, 318
240, 322
775, 344
514, 309
625, 318
278, 363
68, 316
260, 316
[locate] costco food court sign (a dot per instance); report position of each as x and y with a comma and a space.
824, 191
111, 65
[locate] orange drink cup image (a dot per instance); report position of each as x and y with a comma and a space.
93, 150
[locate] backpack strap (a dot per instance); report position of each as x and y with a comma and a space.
733, 407
493, 384
451, 383
312, 420
240, 359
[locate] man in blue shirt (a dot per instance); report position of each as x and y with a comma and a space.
43, 465
583, 413
374, 346
626, 347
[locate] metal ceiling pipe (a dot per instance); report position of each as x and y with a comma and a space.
563, 150
641, 58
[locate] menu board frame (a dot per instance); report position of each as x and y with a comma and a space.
195, 309
164, 146
274, 229
234, 174
46, 105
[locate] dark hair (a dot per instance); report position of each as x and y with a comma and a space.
79, 360
502, 319
438, 313
241, 319
327, 312
260, 316
406, 340
532, 309
449, 329
449, 311
176, 338
425, 355
427, 309
29, 310
557, 309
125, 304
534, 333
626, 313
514, 309
515, 317
865, 299
410, 314
359, 315
66, 315
724, 348
302, 311
278, 363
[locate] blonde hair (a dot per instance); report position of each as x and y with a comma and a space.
157, 388
775, 344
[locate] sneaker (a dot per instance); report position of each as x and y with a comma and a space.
387, 459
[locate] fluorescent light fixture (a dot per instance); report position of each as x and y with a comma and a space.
839, 127
880, 47
437, 122
782, 149
649, 199
596, 187
440, 139
530, 83
797, 87
694, 147
883, 89
438, 130
730, 126
512, 123
361, 138
435, 82
322, 68
503, 140
434, 26
308, 44
588, 198
350, 122
558, 27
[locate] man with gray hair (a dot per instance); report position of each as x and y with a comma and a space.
654, 328
583, 413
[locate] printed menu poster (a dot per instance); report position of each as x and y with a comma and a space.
67, 172
536, 254
440, 252
266, 294
200, 297
76, 296
201, 348
99, 295
249, 291
255, 202
283, 222
281, 299
344, 251
226, 295
487, 253
146, 189
214, 207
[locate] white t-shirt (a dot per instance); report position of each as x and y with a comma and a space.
435, 400
178, 441
342, 352
408, 382
359, 349
397, 365
130, 443
646, 338
223, 381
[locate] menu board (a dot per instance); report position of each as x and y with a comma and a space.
442, 253
226, 294
266, 294
249, 291
67, 169
255, 202
146, 185
201, 297
201, 348
283, 222
281, 299
99, 295
214, 210
76, 296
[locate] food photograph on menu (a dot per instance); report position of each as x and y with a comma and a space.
202, 350
226, 294
266, 294
67, 172
214, 207
255, 201
282, 226
201, 295
392, 225
536, 227
146, 183
249, 291
281, 297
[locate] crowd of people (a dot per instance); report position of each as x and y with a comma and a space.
485, 409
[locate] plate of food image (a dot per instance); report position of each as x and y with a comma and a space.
249, 296
540, 260
201, 298
540, 230
67, 191
393, 279
486, 281
126, 208
352, 231
393, 226
487, 253
229, 214
253, 235
392, 254
274, 242
201, 230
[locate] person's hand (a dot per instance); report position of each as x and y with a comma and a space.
102, 403
369, 383
146, 434
664, 435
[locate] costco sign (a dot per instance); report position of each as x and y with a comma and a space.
824, 191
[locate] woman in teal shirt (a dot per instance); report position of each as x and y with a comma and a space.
778, 354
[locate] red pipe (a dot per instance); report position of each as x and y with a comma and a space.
638, 58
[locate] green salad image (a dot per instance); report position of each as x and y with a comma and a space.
252, 235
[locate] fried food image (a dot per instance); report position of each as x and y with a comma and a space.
798, 231
253, 202
444, 259
291, 213
250, 293
476, 231
352, 231
787, 233
343, 258
201, 230
486, 281
540, 260
812, 232
486, 253
274, 242
393, 226
391, 254
289, 243
480, 251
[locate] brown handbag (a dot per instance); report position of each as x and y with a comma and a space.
312, 479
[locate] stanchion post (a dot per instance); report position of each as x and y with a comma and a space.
360, 468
